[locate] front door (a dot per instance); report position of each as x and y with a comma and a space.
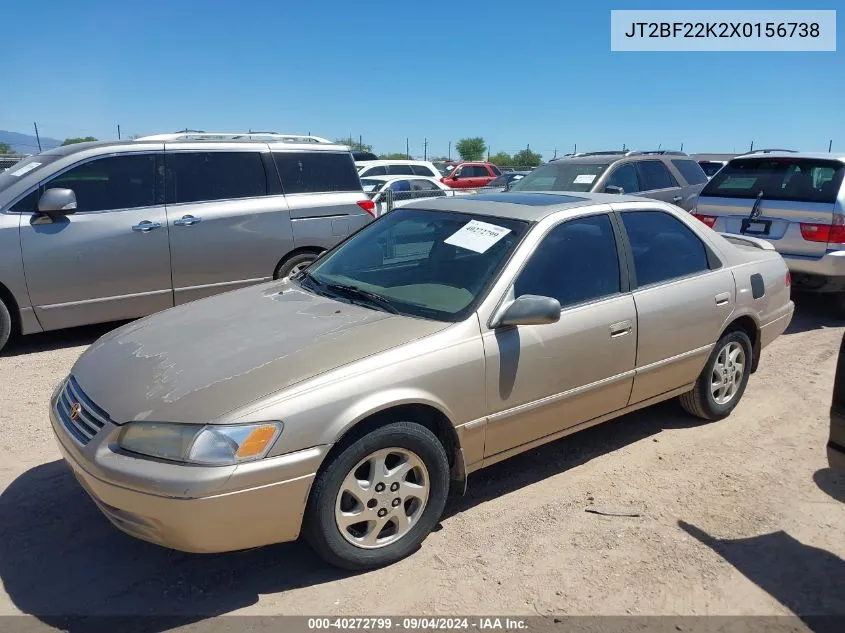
545, 378
111, 259
683, 296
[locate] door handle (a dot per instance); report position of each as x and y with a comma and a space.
187, 220
146, 226
620, 329
677, 198
723, 299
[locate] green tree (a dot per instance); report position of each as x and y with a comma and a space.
5, 148
471, 148
78, 139
502, 159
393, 156
527, 158
354, 145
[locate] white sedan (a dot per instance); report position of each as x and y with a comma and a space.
404, 190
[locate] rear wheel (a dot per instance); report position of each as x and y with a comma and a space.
294, 265
5, 324
722, 382
376, 501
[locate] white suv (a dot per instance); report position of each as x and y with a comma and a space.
369, 168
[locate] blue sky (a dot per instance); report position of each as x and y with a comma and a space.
516, 73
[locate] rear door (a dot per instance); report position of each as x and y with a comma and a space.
228, 229
795, 210
657, 182
692, 178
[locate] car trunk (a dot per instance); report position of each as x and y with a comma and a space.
792, 199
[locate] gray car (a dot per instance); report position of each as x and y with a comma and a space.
794, 200
664, 175
446, 336
106, 231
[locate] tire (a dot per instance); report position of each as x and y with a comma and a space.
701, 400
293, 264
378, 540
5, 325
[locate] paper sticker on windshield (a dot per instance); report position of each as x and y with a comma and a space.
477, 236
584, 179
24, 170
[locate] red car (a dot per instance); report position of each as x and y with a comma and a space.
470, 175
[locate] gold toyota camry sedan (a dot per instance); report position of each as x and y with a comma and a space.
344, 403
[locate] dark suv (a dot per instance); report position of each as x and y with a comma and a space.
672, 177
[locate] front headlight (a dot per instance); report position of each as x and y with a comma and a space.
215, 445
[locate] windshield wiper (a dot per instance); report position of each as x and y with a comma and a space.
360, 293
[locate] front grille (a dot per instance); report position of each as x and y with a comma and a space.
89, 419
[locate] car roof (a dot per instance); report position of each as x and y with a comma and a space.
527, 206
129, 144
390, 161
399, 177
814, 155
605, 159
713, 157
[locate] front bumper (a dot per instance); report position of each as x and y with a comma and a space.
821, 274
192, 508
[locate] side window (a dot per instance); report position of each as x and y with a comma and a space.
318, 172
381, 170
496, 171
663, 247
423, 170
201, 176
480, 171
400, 185
401, 170
624, 176
691, 171
557, 267
116, 182
426, 189
655, 175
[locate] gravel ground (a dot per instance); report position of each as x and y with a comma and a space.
735, 517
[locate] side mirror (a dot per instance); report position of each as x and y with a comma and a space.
57, 202
614, 189
455, 177
529, 310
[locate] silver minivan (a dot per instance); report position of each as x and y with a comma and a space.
106, 231
795, 201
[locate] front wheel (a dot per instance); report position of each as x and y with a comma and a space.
294, 265
5, 324
722, 382
376, 501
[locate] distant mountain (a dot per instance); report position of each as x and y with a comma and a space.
27, 143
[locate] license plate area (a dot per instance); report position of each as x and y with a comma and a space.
756, 227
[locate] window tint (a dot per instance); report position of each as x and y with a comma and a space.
381, 170
200, 176
422, 170
691, 171
481, 172
557, 267
314, 172
400, 170
663, 247
655, 175
116, 182
624, 176
799, 179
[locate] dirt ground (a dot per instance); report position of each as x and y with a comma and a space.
740, 516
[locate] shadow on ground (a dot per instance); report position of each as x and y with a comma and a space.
813, 312
59, 339
807, 580
63, 562
831, 482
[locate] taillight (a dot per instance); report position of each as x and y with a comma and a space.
709, 220
369, 206
825, 232
788, 279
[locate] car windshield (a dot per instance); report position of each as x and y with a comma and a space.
561, 176
28, 165
421, 263
797, 179
371, 186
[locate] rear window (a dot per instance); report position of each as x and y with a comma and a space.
562, 176
798, 179
691, 171
400, 170
316, 172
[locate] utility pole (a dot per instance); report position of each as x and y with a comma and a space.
575, 148
450, 151
37, 138
830, 146
425, 149
407, 149
118, 131
360, 142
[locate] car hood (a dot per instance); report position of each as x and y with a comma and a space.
197, 362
